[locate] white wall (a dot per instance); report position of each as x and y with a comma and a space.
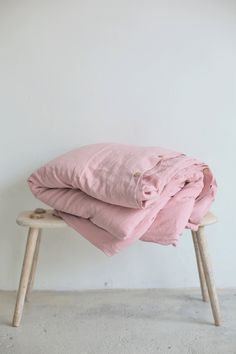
151, 72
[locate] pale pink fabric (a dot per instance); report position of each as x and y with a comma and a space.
114, 194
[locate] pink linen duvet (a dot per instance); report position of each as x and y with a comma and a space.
114, 194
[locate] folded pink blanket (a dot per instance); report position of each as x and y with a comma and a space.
114, 194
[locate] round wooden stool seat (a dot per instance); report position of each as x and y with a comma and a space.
44, 220
209, 219
48, 220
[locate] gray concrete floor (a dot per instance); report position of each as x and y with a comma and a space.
118, 322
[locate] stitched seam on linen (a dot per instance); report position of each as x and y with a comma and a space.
138, 184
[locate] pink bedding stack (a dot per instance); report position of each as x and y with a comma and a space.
114, 194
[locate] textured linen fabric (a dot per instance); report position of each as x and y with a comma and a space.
114, 194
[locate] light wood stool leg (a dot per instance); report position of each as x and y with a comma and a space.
33, 268
202, 244
25, 273
200, 268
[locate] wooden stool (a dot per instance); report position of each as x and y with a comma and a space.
40, 219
